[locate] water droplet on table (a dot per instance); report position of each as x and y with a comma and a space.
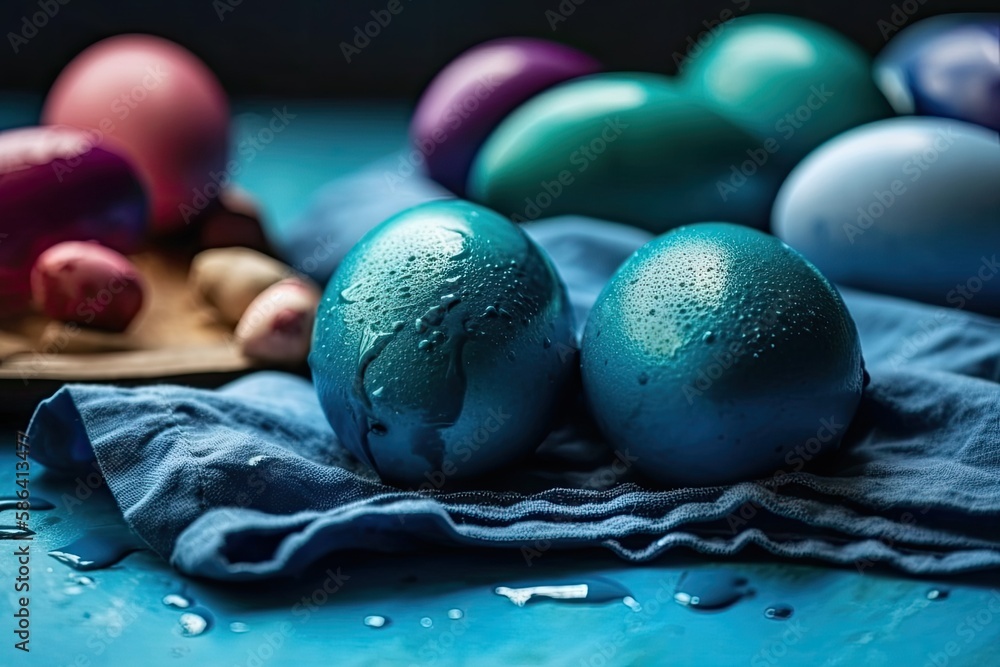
592, 590
375, 621
34, 502
238, 627
710, 590
177, 601
426, 622
101, 547
779, 612
455, 614
632, 603
196, 621
76, 584
938, 594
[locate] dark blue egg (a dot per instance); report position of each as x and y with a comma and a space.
718, 354
945, 66
905, 206
443, 345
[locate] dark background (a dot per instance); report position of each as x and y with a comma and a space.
291, 47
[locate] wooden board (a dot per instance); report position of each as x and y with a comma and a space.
174, 339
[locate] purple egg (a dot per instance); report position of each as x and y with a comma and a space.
56, 186
945, 66
473, 93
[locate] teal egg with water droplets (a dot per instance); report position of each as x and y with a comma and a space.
443, 345
718, 354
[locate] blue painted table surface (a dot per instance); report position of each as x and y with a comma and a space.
117, 617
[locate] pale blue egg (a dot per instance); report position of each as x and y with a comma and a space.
905, 206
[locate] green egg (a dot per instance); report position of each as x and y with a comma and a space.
443, 345
624, 147
791, 82
718, 354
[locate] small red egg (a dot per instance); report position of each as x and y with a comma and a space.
86, 283
162, 106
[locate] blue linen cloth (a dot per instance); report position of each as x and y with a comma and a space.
249, 481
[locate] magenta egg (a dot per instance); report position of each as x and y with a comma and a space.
55, 186
473, 93
159, 103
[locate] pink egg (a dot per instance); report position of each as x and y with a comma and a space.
474, 92
162, 106
88, 284
56, 186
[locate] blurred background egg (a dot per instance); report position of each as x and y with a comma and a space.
627, 147
162, 106
443, 345
945, 66
905, 206
86, 283
715, 352
473, 93
55, 185
792, 82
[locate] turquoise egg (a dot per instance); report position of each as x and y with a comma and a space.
623, 147
791, 82
443, 345
718, 354
906, 206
